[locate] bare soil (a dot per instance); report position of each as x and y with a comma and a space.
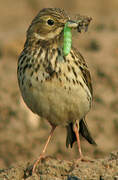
22, 134
56, 169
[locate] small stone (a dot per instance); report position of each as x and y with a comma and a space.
73, 178
101, 177
115, 177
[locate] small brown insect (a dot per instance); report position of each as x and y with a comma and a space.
83, 22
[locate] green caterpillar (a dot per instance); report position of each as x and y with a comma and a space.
67, 40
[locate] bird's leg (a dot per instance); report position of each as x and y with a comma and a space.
85, 159
44, 149
75, 129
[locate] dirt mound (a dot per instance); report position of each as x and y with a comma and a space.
53, 169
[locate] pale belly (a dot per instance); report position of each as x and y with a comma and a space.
57, 104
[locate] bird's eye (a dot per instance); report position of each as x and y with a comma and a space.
50, 22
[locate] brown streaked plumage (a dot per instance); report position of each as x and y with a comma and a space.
56, 87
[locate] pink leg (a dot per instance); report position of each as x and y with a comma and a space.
44, 149
78, 140
79, 146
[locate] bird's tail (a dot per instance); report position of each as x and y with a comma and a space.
83, 130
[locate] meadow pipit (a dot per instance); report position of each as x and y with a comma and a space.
56, 87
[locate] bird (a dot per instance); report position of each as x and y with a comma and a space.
56, 87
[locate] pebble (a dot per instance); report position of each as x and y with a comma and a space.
73, 178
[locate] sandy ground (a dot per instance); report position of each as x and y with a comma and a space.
22, 134
56, 169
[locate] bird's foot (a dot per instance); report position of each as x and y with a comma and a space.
42, 156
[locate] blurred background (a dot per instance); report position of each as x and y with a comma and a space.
22, 136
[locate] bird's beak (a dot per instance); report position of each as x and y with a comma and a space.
72, 24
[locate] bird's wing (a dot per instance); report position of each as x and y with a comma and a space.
84, 70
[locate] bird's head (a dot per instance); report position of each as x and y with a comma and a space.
49, 24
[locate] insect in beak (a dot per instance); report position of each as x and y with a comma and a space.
67, 38
82, 22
